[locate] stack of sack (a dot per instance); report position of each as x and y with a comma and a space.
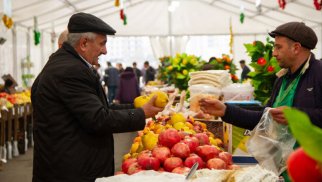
216, 78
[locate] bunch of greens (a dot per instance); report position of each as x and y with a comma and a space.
225, 63
175, 70
265, 68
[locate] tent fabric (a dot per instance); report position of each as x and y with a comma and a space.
148, 18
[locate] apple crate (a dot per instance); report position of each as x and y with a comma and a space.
217, 127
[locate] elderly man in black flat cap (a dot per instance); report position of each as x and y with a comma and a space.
73, 122
299, 83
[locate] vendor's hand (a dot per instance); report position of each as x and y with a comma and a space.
149, 109
213, 107
278, 115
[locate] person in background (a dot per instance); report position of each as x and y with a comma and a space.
9, 87
245, 70
209, 66
112, 77
137, 72
119, 67
73, 121
62, 38
128, 88
149, 72
299, 83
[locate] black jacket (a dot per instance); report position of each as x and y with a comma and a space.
308, 98
73, 123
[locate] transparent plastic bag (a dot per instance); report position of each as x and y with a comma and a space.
271, 143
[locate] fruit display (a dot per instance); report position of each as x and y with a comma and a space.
8, 100
173, 144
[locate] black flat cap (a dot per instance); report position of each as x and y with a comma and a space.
298, 32
83, 22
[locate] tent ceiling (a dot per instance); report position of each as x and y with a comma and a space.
151, 17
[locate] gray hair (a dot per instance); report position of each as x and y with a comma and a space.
73, 38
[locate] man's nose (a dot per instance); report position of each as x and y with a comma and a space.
274, 52
104, 50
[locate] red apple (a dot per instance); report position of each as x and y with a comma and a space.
227, 157
127, 163
169, 137
302, 167
144, 153
161, 153
192, 142
197, 128
180, 150
171, 163
207, 152
134, 168
147, 161
216, 163
192, 159
203, 138
181, 170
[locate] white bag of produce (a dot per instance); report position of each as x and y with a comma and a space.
271, 143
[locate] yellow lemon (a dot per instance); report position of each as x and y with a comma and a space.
141, 147
177, 117
161, 100
190, 131
189, 125
179, 125
141, 100
158, 128
135, 147
169, 68
135, 155
137, 139
150, 140
126, 156
219, 142
212, 141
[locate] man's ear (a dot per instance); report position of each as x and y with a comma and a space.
296, 48
83, 43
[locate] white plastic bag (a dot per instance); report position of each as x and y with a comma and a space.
271, 143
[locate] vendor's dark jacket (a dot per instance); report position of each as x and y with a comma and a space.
73, 123
308, 98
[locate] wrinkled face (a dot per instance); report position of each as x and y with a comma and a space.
284, 51
93, 48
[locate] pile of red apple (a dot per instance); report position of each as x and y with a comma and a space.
177, 151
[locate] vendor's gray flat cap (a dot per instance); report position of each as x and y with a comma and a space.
83, 22
298, 32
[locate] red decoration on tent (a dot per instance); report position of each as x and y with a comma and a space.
282, 3
122, 14
317, 4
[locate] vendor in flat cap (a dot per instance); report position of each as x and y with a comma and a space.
73, 121
299, 83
